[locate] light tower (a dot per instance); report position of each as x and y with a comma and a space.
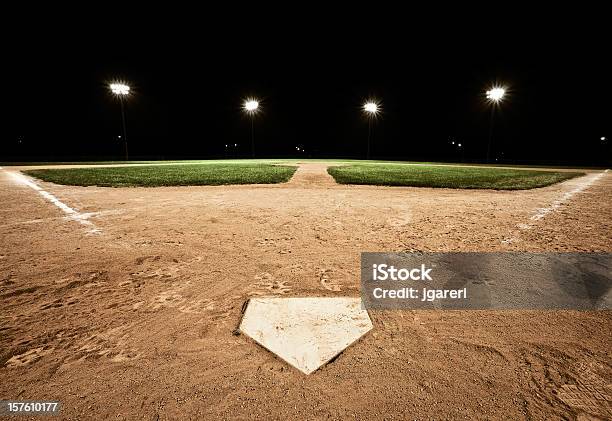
251, 107
121, 90
371, 108
495, 96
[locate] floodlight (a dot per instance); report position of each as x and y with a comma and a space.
496, 94
120, 88
371, 107
251, 106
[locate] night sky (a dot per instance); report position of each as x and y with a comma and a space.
187, 98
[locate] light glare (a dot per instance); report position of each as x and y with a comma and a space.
120, 88
496, 94
251, 106
371, 107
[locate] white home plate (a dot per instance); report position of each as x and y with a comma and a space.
305, 332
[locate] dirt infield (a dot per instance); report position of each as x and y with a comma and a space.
132, 315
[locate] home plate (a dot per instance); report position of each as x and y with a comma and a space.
305, 332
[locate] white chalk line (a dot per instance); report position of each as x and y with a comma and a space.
72, 214
542, 212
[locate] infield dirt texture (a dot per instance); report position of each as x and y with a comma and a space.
132, 315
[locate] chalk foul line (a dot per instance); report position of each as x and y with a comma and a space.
71, 214
542, 212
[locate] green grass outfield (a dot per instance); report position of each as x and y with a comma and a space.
168, 175
267, 171
288, 161
455, 177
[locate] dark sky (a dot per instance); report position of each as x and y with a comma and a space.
187, 97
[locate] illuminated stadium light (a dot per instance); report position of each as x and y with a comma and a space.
496, 94
251, 106
371, 107
120, 88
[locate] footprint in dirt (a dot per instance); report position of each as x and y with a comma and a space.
266, 284
197, 306
327, 282
111, 344
267, 242
142, 259
169, 299
398, 221
53, 304
28, 357
153, 267
591, 392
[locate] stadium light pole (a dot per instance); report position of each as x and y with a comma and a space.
251, 107
494, 96
371, 108
122, 90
